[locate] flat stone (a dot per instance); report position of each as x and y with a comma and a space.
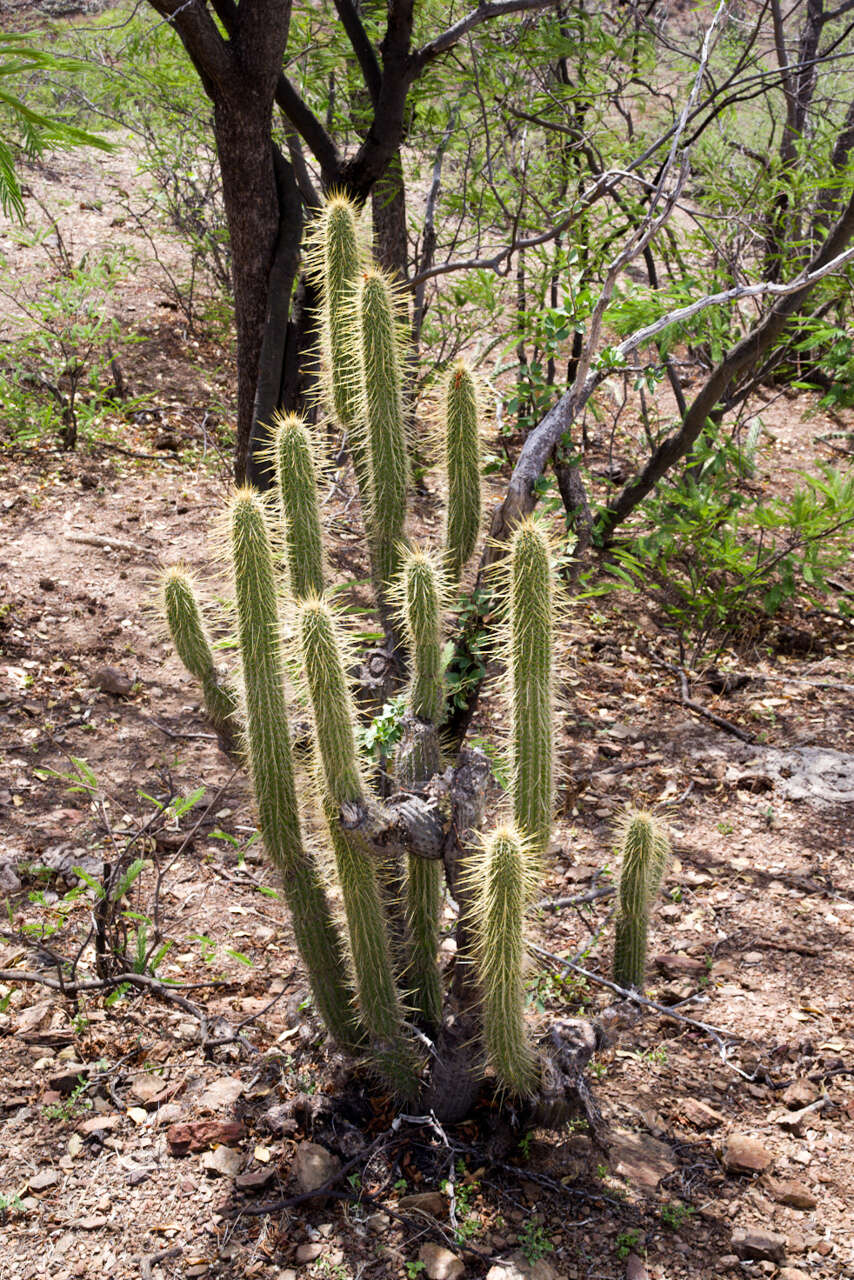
308, 1252
225, 1161
255, 1180
112, 680
641, 1159
791, 1192
519, 1268
93, 1223
432, 1202
796, 1121
800, 1093
700, 1114
149, 1090
41, 1181
744, 1154
680, 966
756, 1245
792, 1273
635, 1269
440, 1263
314, 1166
196, 1136
222, 1093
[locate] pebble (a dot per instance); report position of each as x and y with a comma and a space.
308, 1252
314, 1166
519, 1268
744, 1154
757, 1245
432, 1202
112, 680
225, 1161
791, 1192
800, 1093
440, 1263
792, 1273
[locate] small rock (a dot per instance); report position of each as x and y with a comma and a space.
222, 1093
744, 1154
800, 1093
699, 1114
791, 1192
640, 1159
184, 1138
755, 1245
314, 1166
255, 1180
225, 1161
47, 584
635, 1270
41, 1181
112, 680
432, 1202
88, 480
440, 1263
9, 880
148, 1090
377, 1223
68, 1079
308, 1252
679, 966
518, 1268
93, 1223
796, 1121
792, 1273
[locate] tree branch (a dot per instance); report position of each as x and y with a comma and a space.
362, 47
483, 13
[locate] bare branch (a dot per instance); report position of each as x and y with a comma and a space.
453, 34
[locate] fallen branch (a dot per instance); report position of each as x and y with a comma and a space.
109, 544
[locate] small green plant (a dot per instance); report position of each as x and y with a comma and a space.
534, 1242
415, 1268
70, 1106
674, 1215
626, 1243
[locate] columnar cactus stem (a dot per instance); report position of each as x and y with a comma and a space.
297, 483
334, 718
462, 462
422, 596
335, 257
644, 850
502, 877
531, 642
270, 761
193, 646
382, 403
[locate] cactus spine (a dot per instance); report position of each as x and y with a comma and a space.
334, 718
382, 406
297, 485
644, 850
462, 462
269, 751
502, 878
193, 646
531, 641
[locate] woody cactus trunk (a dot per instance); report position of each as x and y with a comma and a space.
368, 918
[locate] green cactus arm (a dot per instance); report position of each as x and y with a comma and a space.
501, 875
269, 751
531, 645
421, 590
382, 407
192, 644
333, 714
297, 484
462, 464
424, 882
644, 851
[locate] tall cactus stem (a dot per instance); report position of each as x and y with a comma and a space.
531, 643
462, 463
193, 646
269, 751
297, 483
422, 605
335, 259
334, 720
644, 850
502, 877
382, 405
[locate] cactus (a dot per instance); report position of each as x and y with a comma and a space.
334, 719
269, 752
644, 850
502, 878
368, 980
382, 407
462, 461
531, 643
192, 644
297, 486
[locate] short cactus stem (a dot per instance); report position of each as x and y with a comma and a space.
269, 752
644, 850
297, 485
462, 463
382, 406
502, 877
422, 593
531, 643
193, 646
392, 1049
